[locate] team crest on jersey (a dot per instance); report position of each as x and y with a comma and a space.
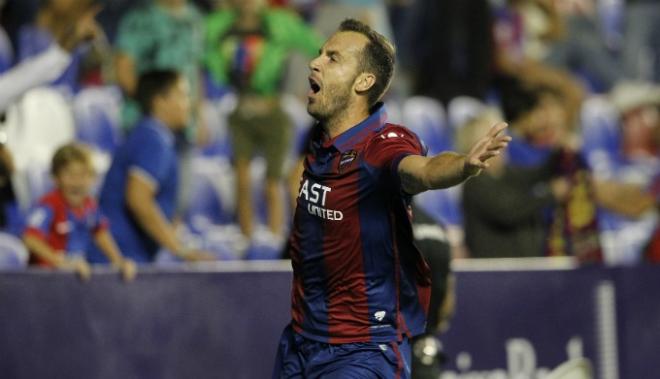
346, 159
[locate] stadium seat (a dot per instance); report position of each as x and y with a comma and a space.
13, 254
211, 195
611, 13
264, 246
36, 126
426, 117
215, 113
462, 109
600, 135
444, 206
97, 112
6, 51
394, 112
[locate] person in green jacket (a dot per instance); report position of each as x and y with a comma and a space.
247, 47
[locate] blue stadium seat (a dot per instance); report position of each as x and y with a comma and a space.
600, 135
13, 254
264, 246
216, 113
6, 51
426, 117
97, 112
463, 109
444, 206
211, 196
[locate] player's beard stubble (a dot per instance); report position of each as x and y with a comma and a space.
330, 101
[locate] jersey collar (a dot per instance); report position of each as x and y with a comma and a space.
348, 139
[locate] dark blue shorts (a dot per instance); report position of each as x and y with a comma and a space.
301, 358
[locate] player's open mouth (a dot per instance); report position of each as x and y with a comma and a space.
314, 86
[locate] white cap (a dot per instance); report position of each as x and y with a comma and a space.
630, 95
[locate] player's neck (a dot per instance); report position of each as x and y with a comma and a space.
344, 120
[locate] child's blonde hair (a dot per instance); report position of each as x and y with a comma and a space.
69, 153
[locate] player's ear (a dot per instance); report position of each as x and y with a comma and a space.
364, 82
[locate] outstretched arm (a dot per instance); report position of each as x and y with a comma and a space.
419, 173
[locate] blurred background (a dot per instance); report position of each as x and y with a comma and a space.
544, 244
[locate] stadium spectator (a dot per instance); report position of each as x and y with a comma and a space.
164, 35
540, 126
54, 20
448, 48
140, 188
653, 247
159, 35
626, 189
246, 48
33, 72
50, 64
514, 58
61, 227
503, 207
577, 43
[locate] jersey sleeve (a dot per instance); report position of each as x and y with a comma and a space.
39, 221
149, 158
390, 146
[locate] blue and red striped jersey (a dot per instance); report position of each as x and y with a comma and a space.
65, 229
357, 276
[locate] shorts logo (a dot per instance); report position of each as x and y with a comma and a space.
346, 159
380, 315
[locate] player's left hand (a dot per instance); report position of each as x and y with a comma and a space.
486, 148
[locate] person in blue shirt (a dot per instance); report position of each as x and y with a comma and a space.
140, 188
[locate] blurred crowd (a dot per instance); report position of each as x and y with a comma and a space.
167, 130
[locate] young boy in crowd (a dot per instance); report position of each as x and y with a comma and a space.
65, 221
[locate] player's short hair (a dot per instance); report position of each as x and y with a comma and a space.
69, 153
152, 84
378, 57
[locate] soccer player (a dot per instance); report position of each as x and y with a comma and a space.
360, 286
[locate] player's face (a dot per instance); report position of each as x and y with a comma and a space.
333, 74
75, 180
175, 104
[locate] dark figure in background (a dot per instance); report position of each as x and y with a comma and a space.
431, 240
450, 48
504, 207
